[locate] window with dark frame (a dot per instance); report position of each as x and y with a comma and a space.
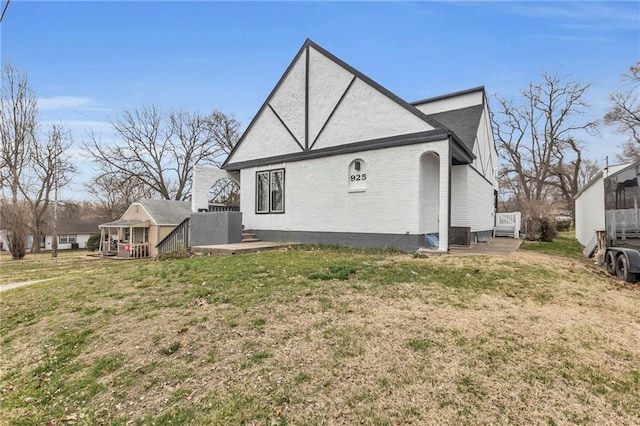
270, 191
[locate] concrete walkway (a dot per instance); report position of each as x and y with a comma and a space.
500, 246
5, 287
241, 247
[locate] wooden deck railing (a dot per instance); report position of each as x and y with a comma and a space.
507, 224
133, 251
177, 240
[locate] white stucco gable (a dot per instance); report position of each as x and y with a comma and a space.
322, 102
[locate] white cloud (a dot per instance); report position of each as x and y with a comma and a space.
64, 102
79, 125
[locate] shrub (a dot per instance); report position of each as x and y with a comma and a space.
541, 229
563, 223
181, 253
93, 243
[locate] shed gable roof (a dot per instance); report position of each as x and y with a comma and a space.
165, 212
321, 103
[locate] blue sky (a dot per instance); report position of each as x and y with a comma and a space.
87, 61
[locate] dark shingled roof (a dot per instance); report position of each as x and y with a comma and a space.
167, 212
73, 226
464, 122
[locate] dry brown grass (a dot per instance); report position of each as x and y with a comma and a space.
545, 340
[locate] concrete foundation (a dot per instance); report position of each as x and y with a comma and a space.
365, 240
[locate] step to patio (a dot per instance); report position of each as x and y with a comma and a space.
249, 236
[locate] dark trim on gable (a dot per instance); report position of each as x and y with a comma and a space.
266, 102
306, 99
463, 156
451, 95
413, 110
334, 110
285, 126
308, 43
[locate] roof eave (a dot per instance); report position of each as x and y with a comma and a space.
451, 95
369, 145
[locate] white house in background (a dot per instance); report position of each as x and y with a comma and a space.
589, 205
72, 234
334, 157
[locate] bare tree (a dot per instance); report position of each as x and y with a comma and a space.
572, 175
32, 163
625, 113
52, 170
115, 192
15, 221
225, 191
535, 139
159, 150
18, 109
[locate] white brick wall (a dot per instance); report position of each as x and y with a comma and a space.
472, 200
317, 196
203, 180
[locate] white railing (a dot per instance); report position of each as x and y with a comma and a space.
133, 251
507, 224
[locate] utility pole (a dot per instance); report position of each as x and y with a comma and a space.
54, 236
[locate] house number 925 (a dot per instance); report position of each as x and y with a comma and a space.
358, 177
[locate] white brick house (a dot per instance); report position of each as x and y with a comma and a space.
334, 157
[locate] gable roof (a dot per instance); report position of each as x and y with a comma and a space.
305, 144
166, 212
73, 226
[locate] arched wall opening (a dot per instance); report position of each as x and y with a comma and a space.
429, 193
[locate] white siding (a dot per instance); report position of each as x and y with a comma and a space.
81, 239
590, 206
590, 211
317, 196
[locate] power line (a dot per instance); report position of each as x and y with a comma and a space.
6, 6
54, 100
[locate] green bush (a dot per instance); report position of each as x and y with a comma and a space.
93, 243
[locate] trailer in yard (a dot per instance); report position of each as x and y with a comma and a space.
622, 223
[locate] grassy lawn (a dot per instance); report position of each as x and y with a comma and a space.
320, 336
565, 244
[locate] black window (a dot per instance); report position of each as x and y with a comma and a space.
270, 191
